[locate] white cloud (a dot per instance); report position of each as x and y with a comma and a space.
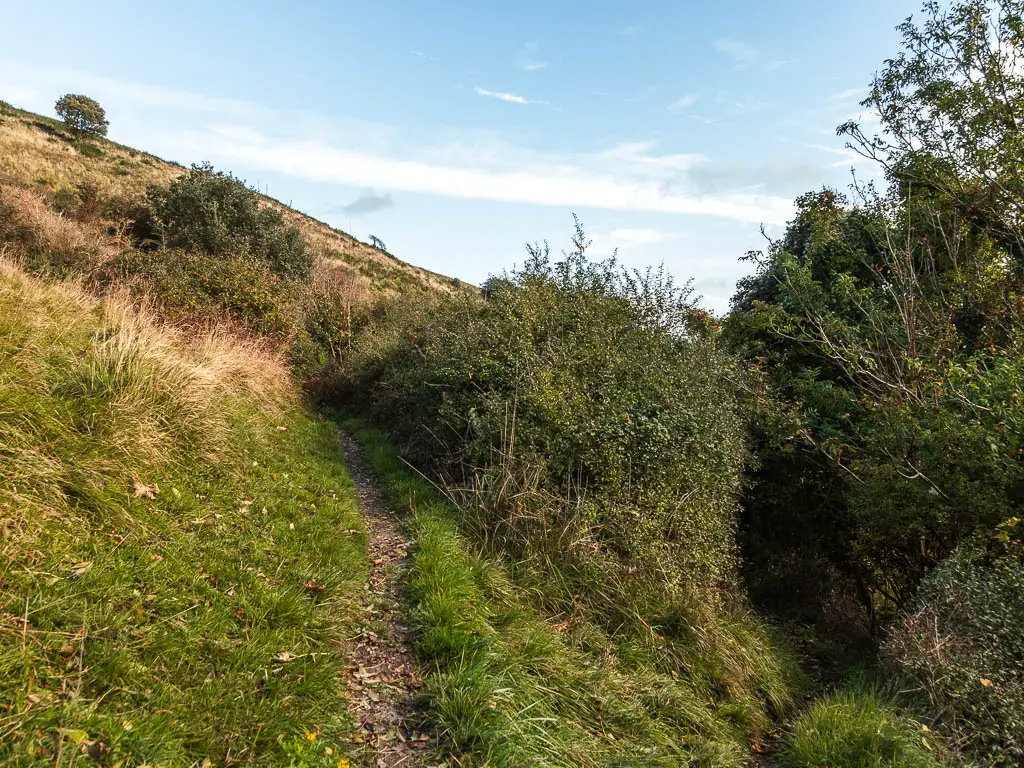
632, 29
622, 179
848, 94
426, 56
636, 154
528, 59
736, 50
509, 97
456, 163
682, 103
627, 238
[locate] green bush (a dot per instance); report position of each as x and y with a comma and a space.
197, 284
857, 728
330, 310
589, 418
213, 212
963, 646
82, 115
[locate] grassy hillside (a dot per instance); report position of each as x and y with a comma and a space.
180, 544
37, 154
604, 490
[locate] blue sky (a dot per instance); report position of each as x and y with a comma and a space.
456, 132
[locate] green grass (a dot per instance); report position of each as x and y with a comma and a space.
179, 552
859, 727
508, 685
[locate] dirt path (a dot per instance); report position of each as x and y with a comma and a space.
381, 678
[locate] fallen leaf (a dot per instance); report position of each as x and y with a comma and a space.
79, 569
144, 491
986, 682
284, 656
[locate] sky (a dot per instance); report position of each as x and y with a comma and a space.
456, 132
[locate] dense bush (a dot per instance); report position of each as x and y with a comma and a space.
962, 648
82, 115
888, 430
581, 404
331, 308
212, 212
197, 284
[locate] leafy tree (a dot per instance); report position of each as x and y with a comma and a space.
82, 115
887, 433
213, 212
951, 106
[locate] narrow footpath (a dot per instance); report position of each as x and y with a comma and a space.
381, 677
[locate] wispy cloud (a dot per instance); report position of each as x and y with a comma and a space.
638, 155
848, 94
426, 56
528, 59
632, 29
682, 103
368, 202
744, 55
512, 98
627, 238
738, 51
454, 163
623, 178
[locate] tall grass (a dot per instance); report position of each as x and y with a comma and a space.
163, 503
510, 684
859, 727
47, 241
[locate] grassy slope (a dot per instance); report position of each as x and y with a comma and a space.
163, 504
36, 153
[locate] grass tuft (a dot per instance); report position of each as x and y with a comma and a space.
858, 727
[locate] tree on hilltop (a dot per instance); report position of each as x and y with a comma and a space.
82, 115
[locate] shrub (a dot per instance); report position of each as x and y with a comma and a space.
82, 115
592, 423
330, 310
198, 284
857, 728
47, 242
213, 212
963, 646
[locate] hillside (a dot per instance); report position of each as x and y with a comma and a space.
269, 496
38, 154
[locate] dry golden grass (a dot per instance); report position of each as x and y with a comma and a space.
379, 271
158, 384
84, 246
34, 156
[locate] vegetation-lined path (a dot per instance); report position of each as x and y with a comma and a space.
381, 679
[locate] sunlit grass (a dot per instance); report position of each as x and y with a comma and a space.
163, 502
858, 727
509, 685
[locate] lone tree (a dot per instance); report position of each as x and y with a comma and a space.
82, 115
377, 243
